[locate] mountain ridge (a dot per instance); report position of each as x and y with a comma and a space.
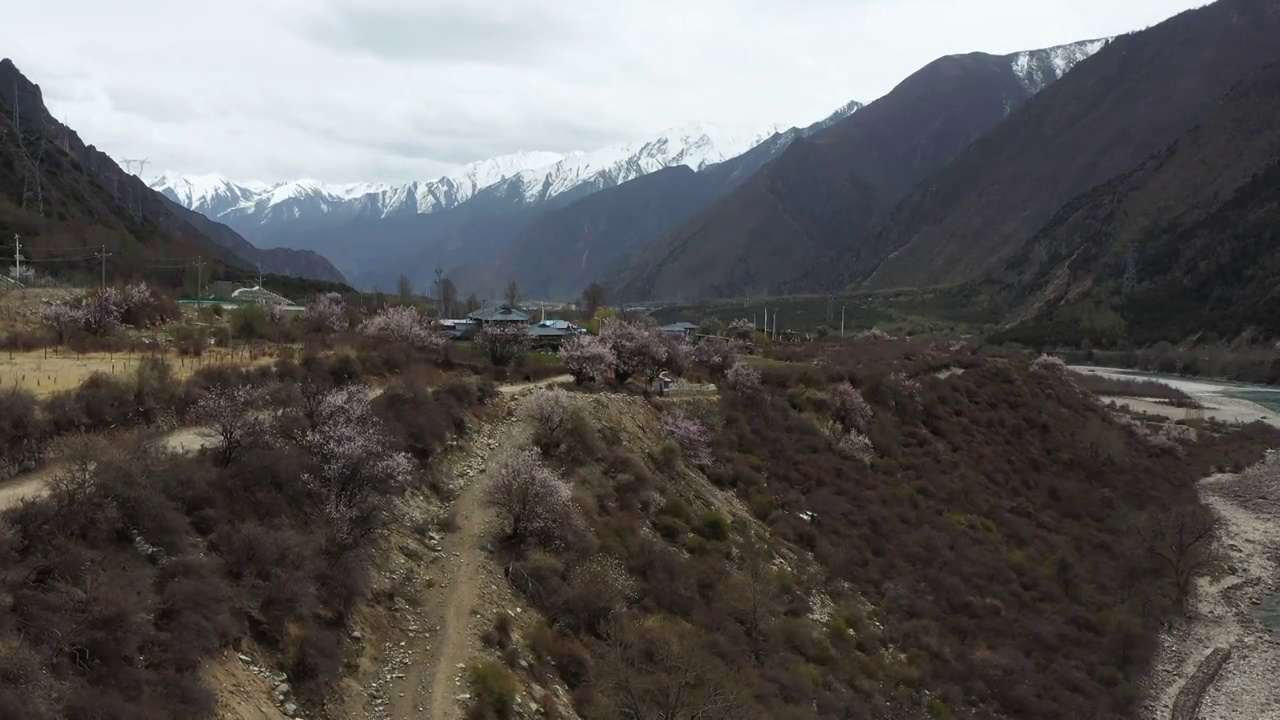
88, 193
832, 188
1133, 97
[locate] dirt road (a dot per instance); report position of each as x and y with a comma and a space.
1224, 613
470, 588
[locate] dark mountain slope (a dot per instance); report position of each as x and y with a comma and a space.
1134, 97
830, 190
86, 200
1184, 242
565, 249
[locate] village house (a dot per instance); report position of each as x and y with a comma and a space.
686, 329
501, 313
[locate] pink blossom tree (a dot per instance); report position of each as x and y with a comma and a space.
587, 358
679, 355
850, 409
742, 329
403, 323
637, 349
535, 503
326, 314
356, 460
101, 311
690, 434
231, 414
717, 356
743, 379
62, 318
503, 342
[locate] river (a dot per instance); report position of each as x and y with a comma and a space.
1222, 400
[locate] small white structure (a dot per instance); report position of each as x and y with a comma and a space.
257, 294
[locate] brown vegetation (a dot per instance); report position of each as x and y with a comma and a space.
984, 563
139, 565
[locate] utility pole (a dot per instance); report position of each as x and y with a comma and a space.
103, 257
199, 281
17, 250
842, 321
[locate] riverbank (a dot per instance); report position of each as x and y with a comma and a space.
1221, 401
1224, 618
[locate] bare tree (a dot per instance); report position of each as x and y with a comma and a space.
405, 289
230, 413
512, 295
656, 670
448, 298
760, 593
1179, 539
593, 297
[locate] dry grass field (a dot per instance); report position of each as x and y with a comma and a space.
45, 372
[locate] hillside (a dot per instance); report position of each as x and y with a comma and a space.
829, 191
1183, 243
1133, 98
85, 199
565, 249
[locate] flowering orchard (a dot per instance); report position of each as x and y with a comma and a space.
101, 312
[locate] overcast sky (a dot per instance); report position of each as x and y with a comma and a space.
347, 90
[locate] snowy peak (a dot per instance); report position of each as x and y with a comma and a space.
209, 195
696, 146
1036, 69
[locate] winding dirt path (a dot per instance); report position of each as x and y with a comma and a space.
471, 584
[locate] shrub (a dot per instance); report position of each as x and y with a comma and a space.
560, 428
21, 431
251, 322
715, 526
587, 358
1051, 364
493, 688
850, 409
598, 586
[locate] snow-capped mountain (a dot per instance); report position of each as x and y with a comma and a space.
695, 146
519, 178
1038, 68
209, 195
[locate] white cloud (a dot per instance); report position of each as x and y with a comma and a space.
397, 89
